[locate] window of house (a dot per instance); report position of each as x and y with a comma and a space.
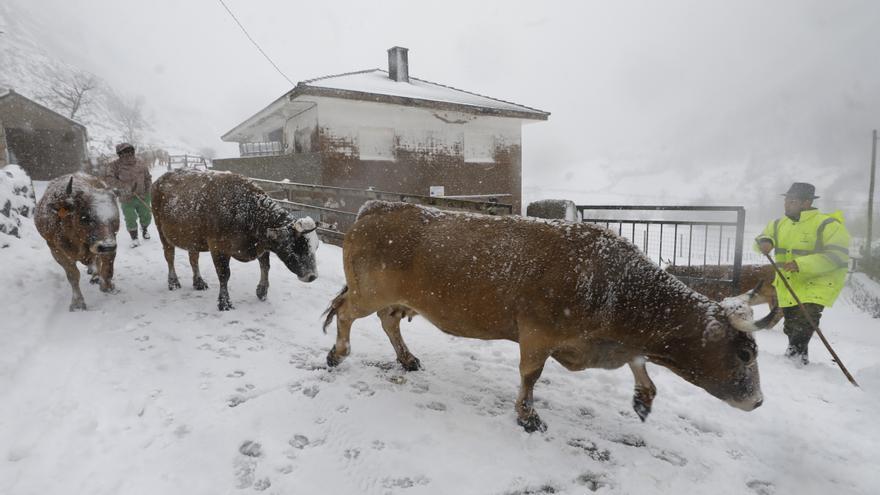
376, 143
479, 147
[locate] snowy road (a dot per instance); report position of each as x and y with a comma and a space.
156, 392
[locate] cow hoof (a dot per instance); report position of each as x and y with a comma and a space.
109, 289
95, 280
173, 283
78, 306
199, 284
262, 291
332, 359
224, 305
642, 409
532, 424
413, 365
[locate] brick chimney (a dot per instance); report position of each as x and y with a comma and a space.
398, 67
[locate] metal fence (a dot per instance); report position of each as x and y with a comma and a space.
267, 148
335, 208
698, 236
187, 161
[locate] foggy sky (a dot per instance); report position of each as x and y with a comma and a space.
652, 102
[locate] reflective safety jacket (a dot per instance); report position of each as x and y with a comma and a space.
819, 243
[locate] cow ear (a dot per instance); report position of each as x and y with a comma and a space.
714, 331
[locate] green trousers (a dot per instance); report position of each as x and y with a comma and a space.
135, 209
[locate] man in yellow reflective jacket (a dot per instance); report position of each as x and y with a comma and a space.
812, 250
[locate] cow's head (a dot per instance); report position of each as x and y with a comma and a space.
88, 215
295, 244
723, 358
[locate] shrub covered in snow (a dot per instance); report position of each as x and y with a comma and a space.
16, 199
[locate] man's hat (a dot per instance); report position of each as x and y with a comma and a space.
801, 190
123, 147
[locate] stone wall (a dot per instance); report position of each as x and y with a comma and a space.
301, 167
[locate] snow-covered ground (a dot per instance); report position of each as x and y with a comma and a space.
157, 392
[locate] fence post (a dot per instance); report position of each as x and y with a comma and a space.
737, 253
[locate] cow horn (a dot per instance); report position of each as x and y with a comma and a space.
739, 314
69, 189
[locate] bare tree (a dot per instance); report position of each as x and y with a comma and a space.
71, 91
129, 114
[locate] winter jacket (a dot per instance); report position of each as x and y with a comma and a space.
819, 243
130, 176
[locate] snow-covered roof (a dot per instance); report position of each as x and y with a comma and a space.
377, 82
375, 85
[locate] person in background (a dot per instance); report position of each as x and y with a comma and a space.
131, 179
812, 250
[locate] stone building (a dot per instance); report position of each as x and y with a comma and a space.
43, 142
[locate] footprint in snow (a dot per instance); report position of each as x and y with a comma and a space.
761, 487
594, 481
436, 406
670, 457
245, 465
235, 374
591, 449
363, 389
311, 392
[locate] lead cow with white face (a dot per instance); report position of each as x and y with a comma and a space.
79, 219
575, 292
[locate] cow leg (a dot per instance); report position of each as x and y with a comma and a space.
94, 270
168, 249
105, 267
645, 389
263, 286
77, 301
532, 356
390, 318
221, 264
198, 282
346, 314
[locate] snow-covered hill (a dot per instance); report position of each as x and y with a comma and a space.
31, 65
151, 391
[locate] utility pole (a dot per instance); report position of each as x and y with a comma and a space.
871, 194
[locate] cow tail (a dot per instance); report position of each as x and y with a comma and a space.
331, 310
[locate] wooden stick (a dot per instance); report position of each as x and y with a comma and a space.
812, 323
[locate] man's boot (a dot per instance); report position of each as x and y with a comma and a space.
134, 238
146, 234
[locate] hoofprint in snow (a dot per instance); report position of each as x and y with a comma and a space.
151, 391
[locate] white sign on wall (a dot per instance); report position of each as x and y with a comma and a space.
436, 191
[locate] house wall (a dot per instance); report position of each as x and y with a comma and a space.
44, 143
303, 167
407, 149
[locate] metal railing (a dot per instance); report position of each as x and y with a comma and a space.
680, 241
267, 148
335, 208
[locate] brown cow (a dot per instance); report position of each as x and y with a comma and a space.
706, 281
228, 216
79, 219
577, 293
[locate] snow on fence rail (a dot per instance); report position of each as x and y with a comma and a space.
335, 208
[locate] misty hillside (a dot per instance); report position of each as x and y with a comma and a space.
32, 69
